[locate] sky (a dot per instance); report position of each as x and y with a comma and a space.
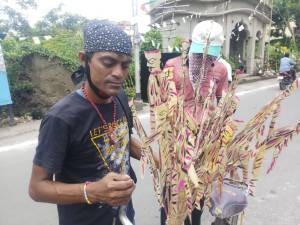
115, 10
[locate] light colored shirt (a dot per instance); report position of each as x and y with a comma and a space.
286, 64
228, 67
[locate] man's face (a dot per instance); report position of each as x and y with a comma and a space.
108, 71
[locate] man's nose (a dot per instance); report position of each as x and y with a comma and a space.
118, 71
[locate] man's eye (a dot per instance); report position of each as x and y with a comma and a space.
125, 66
108, 63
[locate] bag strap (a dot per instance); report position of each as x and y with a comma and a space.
123, 100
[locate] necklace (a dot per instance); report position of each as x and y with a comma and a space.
111, 135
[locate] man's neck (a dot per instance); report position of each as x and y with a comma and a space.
94, 98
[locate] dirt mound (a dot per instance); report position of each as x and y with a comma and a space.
50, 81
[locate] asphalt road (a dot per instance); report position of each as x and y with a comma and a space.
277, 200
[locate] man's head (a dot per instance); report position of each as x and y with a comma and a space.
207, 41
287, 55
207, 38
106, 57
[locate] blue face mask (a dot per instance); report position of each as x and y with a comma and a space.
200, 48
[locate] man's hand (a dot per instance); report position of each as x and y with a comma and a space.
114, 189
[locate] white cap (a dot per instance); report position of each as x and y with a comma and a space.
205, 32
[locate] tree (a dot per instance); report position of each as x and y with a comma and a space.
12, 19
46, 25
153, 40
27, 4
56, 20
285, 12
177, 44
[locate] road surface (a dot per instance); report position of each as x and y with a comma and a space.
277, 200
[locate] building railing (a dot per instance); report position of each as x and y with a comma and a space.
265, 9
161, 7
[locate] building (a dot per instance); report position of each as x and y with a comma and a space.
126, 26
246, 23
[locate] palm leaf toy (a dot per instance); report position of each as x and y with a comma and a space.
147, 156
253, 129
198, 149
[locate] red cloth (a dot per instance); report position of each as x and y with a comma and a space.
178, 73
218, 73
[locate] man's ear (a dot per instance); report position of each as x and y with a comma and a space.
81, 56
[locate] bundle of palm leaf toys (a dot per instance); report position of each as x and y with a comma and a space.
196, 154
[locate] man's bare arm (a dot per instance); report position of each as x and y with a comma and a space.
136, 149
113, 189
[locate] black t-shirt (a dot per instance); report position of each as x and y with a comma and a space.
75, 146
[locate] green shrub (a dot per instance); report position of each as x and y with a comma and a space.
65, 47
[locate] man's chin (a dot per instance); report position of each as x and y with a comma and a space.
114, 91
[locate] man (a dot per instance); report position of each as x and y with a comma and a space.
82, 158
189, 79
205, 69
287, 65
213, 70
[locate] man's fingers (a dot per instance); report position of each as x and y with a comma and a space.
120, 177
120, 201
120, 185
122, 194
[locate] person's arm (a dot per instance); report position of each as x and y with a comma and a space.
54, 139
113, 189
229, 72
222, 85
136, 151
292, 62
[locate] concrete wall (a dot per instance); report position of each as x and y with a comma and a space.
228, 15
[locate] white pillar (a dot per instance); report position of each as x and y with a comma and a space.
251, 49
227, 32
262, 47
136, 43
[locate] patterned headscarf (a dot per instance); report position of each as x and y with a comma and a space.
102, 36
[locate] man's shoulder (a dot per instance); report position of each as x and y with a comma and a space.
220, 66
220, 71
223, 61
67, 106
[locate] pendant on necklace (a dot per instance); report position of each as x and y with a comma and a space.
112, 136
110, 129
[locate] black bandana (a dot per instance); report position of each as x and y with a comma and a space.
102, 36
